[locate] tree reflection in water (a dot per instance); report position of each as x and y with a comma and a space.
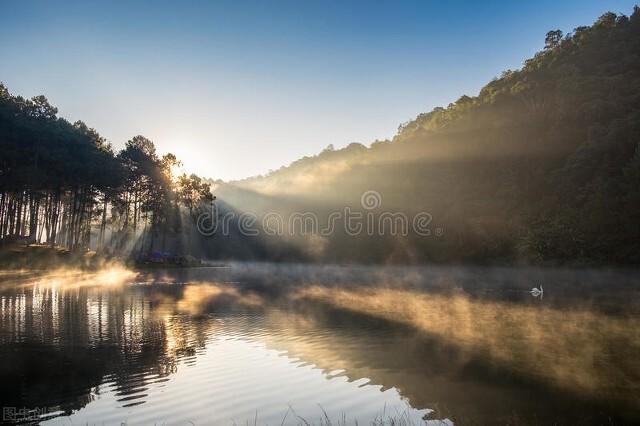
69, 340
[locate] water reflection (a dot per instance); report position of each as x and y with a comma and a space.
217, 345
580, 350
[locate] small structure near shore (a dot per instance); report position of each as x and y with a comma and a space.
158, 258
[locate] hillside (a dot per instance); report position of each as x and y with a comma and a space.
543, 165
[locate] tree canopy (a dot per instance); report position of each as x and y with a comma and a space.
541, 165
60, 182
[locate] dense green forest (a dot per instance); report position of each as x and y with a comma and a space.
542, 165
62, 183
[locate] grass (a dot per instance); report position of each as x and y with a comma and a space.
383, 419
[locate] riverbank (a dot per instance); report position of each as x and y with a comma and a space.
40, 256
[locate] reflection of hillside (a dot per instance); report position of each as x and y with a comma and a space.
457, 378
498, 350
470, 358
466, 371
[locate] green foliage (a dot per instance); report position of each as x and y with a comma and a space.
542, 165
58, 180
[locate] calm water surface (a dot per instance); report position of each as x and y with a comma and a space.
275, 344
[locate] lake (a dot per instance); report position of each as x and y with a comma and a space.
275, 344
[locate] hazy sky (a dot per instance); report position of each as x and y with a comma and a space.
237, 88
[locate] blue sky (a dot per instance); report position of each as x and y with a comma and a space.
237, 88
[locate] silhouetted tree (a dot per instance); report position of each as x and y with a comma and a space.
553, 39
60, 180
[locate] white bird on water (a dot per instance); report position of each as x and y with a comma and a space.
535, 292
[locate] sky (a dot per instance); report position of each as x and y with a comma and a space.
236, 88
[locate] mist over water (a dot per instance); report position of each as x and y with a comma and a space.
271, 342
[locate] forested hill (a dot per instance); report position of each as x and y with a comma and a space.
63, 185
543, 164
